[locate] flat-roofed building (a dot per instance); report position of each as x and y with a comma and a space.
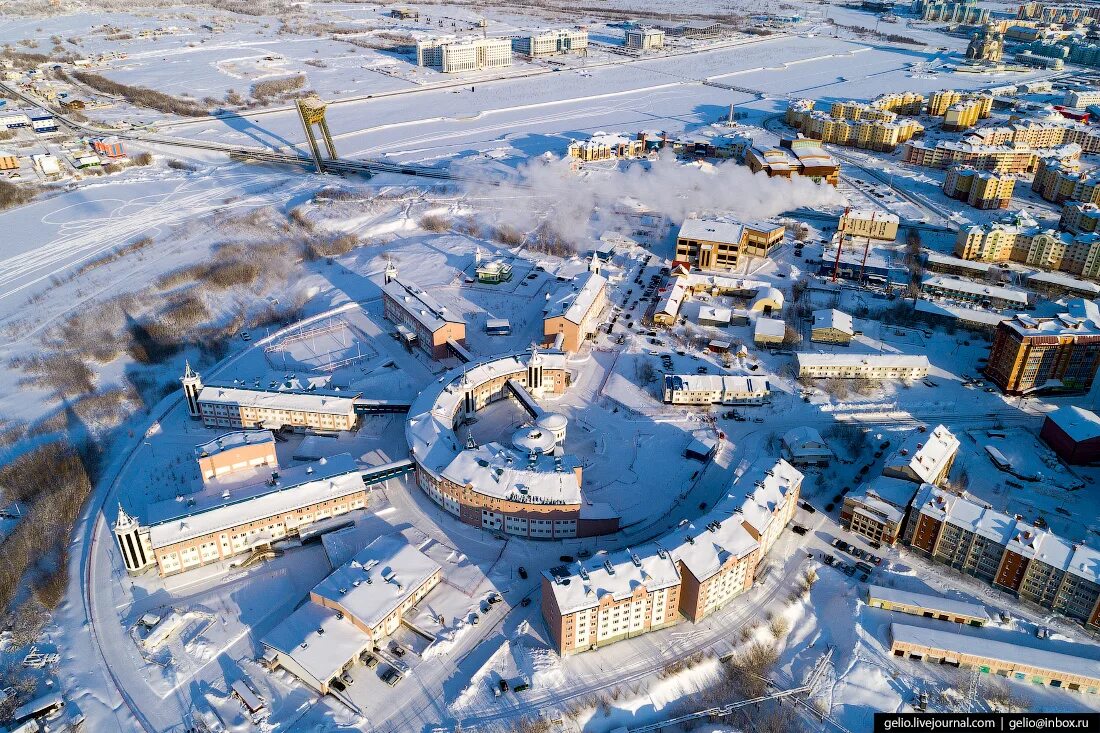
377, 587
715, 389
869, 223
989, 296
1018, 661
644, 39
1073, 433
806, 159
315, 645
1057, 352
862, 366
552, 43
452, 55
831, 326
235, 452
573, 313
927, 605
351, 610
432, 324
877, 510
719, 245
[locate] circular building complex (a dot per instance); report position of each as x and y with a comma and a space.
531, 488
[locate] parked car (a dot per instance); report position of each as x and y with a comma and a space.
391, 676
798, 529
522, 572
525, 602
566, 558
371, 661
807, 506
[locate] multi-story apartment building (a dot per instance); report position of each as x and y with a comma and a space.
940, 101
877, 510
1080, 218
719, 245
690, 573
966, 12
1021, 239
573, 314
852, 124
1058, 182
861, 366
962, 115
606, 146
1059, 352
453, 55
831, 326
552, 43
902, 103
1081, 98
1017, 158
1039, 135
420, 318
1006, 552
980, 189
288, 405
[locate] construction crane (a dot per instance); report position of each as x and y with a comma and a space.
810, 684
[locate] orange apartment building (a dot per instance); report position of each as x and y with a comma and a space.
1059, 352
690, 573
573, 314
719, 245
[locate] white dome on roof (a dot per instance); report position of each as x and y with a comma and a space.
533, 440
552, 421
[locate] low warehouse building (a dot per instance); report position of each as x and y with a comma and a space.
926, 605
1073, 433
862, 366
1014, 661
715, 389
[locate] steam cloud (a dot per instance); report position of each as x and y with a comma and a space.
581, 206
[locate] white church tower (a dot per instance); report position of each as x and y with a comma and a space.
391, 272
192, 385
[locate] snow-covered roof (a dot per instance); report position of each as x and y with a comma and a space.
769, 327
1077, 422
1016, 654
969, 287
962, 313
767, 295
1017, 535
574, 301
832, 318
381, 577
715, 314
220, 507
872, 360
926, 454
436, 449
941, 259
321, 401
722, 383
237, 439
805, 441
875, 508
768, 490
726, 232
928, 601
505, 473
617, 574
1077, 317
894, 491
419, 304
1068, 281
706, 544
318, 642
672, 298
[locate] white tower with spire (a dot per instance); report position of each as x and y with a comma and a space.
192, 385
594, 264
477, 255
534, 370
391, 272
133, 542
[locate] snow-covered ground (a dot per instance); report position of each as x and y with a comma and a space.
58, 265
